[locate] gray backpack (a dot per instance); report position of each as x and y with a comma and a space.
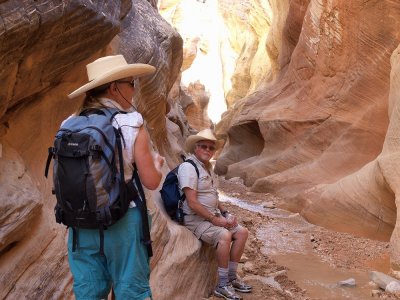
90, 190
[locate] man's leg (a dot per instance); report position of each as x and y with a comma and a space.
223, 289
223, 249
239, 241
239, 238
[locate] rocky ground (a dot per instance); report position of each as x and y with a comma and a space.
271, 280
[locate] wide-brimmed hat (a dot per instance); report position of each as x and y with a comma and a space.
108, 69
204, 135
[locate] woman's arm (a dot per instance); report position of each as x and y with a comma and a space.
198, 208
149, 168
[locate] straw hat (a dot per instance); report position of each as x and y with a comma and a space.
204, 135
108, 69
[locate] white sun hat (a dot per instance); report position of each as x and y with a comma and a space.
204, 135
108, 69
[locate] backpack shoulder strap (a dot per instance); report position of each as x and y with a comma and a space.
141, 204
111, 113
194, 165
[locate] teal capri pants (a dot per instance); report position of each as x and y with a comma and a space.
125, 264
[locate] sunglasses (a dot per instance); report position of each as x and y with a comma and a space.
206, 147
131, 83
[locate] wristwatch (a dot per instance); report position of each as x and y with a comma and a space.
224, 213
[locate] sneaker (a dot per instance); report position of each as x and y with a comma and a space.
240, 286
226, 292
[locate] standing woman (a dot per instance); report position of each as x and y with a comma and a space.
206, 217
125, 263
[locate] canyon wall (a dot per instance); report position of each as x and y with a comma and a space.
44, 47
312, 89
322, 133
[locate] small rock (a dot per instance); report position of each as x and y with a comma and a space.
375, 293
373, 285
289, 293
247, 220
381, 279
396, 274
244, 258
278, 273
351, 282
248, 267
294, 215
236, 180
269, 204
251, 193
393, 287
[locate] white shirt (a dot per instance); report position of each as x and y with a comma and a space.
206, 185
130, 124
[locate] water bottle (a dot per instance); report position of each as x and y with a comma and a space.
230, 218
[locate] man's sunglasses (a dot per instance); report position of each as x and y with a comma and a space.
132, 82
206, 147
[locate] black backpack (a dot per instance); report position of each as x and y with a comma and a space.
91, 191
172, 195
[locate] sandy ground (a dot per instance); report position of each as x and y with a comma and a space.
339, 250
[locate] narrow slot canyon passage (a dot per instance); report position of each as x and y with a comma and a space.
304, 95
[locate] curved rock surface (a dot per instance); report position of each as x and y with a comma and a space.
44, 47
319, 131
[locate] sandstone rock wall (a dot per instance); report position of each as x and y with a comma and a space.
44, 47
320, 129
249, 23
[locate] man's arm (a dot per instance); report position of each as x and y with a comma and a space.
199, 209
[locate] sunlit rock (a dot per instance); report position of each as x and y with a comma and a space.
248, 24
318, 132
196, 112
205, 50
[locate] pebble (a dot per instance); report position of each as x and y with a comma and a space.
248, 267
278, 273
244, 259
373, 285
236, 180
351, 282
393, 287
294, 215
381, 279
269, 204
375, 293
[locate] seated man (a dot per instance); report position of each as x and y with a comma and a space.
206, 217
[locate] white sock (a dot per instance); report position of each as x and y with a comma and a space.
232, 270
222, 276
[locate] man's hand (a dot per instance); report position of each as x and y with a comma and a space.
231, 220
219, 221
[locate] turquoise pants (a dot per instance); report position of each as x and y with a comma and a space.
124, 266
